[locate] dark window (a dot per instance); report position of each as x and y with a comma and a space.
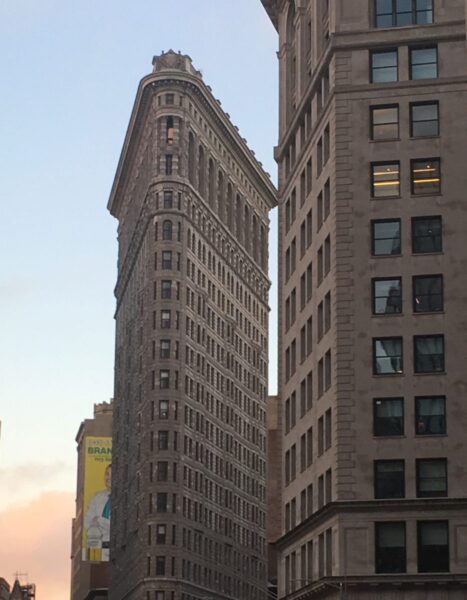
160, 533
389, 479
170, 130
166, 231
426, 235
387, 356
400, 13
167, 259
165, 349
162, 470
424, 63
160, 565
169, 98
387, 296
424, 119
388, 416
161, 502
165, 319
384, 66
428, 293
390, 547
430, 415
163, 440
432, 477
385, 122
386, 237
433, 546
164, 379
168, 199
429, 353
168, 164
426, 176
385, 180
166, 289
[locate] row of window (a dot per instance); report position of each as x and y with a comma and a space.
430, 416
428, 355
424, 120
384, 64
425, 178
426, 236
427, 294
402, 13
431, 478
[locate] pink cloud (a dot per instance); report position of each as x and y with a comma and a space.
35, 539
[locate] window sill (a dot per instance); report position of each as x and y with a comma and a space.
415, 196
430, 373
379, 375
397, 139
399, 197
429, 312
427, 253
376, 315
424, 137
389, 437
378, 256
435, 435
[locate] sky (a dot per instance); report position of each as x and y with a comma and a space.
69, 75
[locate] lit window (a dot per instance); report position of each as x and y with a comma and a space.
400, 13
433, 546
387, 356
424, 119
387, 296
429, 353
388, 416
430, 415
426, 176
384, 66
386, 237
432, 478
426, 235
385, 180
384, 122
163, 409
428, 293
389, 479
390, 547
424, 63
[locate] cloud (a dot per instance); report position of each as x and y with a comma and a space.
35, 539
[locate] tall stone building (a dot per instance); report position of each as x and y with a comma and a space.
372, 381
192, 203
89, 579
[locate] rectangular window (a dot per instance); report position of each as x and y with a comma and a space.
387, 296
168, 164
385, 122
389, 479
164, 379
433, 546
430, 415
167, 259
428, 293
163, 438
387, 356
165, 349
401, 13
165, 319
385, 179
425, 176
432, 478
424, 63
426, 235
162, 470
424, 119
386, 237
428, 353
388, 416
160, 565
161, 502
166, 289
163, 409
168, 199
384, 66
390, 547
161, 534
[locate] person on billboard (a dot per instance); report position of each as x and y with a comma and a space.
97, 521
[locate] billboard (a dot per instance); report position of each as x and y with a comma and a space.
96, 500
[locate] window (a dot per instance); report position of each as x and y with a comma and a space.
168, 199
426, 235
163, 409
160, 565
390, 547
161, 531
385, 180
424, 63
389, 479
425, 176
428, 293
432, 478
163, 440
387, 296
164, 379
168, 164
165, 319
430, 415
166, 289
399, 13
162, 470
386, 237
169, 130
388, 416
165, 349
433, 546
429, 353
385, 122
424, 119
384, 66
166, 231
387, 356
167, 259
161, 502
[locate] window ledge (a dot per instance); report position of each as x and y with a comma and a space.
378, 256
424, 137
376, 315
431, 313
427, 253
397, 139
389, 437
430, 373
379, 375
431, 435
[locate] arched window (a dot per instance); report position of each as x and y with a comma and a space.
167, 230
201, 171
191, 158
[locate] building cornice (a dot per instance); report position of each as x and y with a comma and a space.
272, 8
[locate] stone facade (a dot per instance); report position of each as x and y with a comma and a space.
189, 470
375, 494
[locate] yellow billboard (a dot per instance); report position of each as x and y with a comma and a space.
96, 501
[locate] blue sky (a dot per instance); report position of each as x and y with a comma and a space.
70, 70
